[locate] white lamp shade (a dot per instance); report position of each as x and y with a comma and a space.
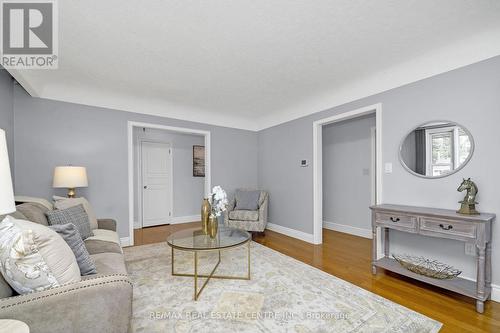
70, 177
7, 204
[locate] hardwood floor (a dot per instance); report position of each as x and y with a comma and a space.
348, 257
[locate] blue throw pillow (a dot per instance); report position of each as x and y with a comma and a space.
72, 237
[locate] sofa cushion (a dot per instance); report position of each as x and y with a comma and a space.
103, 241
247, 200
44, 202
34, 212
75, 215
64, 203
72, 237
244, 215
110, 263
34, 257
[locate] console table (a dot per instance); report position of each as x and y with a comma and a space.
440, 223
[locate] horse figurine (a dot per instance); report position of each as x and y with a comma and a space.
469, 203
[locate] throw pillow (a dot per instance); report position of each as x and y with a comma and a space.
247, 200
63, 203
75, 215
72, 237
34, 257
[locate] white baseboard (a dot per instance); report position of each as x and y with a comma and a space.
495, 292
185, 219
125, 241
291, 232
365, 233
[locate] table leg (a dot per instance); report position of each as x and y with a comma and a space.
488, 265
248, 256
480, 277
173, 260
374, 250
195, 275
386, 242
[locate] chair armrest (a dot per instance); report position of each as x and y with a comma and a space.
99, 304
230, 207
108, 224
263, 210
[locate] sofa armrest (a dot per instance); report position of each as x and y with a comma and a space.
108, 224
99, 304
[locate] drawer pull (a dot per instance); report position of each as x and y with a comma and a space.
448, 227
395, 219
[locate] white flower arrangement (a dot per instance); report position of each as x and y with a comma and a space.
219, 201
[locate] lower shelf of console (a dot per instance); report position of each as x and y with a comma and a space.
458, 285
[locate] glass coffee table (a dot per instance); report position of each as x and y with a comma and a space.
194, 240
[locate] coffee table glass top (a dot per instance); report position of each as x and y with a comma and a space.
195, 239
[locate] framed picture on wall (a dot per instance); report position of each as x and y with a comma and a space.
198, 161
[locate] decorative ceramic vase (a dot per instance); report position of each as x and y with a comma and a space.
205, 213
213, 225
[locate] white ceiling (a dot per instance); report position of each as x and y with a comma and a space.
256, 63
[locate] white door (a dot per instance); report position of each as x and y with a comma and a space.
156, 183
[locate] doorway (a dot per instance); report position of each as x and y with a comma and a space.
318, 161
348, 175
163, 187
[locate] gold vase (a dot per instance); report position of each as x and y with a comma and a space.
212, 226
205, 213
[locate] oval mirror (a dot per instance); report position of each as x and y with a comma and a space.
436, 149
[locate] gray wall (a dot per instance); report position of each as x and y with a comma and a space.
347, 159
469, 96
188, 190
50, 133
7, 112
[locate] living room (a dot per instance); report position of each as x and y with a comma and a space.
305, 228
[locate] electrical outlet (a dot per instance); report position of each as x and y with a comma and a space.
470, 249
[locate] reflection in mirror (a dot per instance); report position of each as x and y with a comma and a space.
436, 149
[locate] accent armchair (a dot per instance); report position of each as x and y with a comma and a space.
249, 220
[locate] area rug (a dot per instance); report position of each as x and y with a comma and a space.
283, 295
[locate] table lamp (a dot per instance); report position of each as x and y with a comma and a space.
7, 204
70, 177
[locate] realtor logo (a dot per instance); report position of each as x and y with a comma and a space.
29, 35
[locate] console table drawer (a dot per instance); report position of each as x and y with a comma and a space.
397, 221
447, 228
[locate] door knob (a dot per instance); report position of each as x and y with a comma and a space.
145, 186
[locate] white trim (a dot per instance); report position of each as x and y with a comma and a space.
291, 232
347, 229
130, 149
185, 219
318, 161
125, 241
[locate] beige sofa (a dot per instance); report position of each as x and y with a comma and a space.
99, 303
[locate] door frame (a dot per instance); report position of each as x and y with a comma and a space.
140, 179
318, 161
130, 149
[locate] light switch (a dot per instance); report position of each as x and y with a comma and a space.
388, 168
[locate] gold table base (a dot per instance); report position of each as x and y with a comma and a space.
196, 276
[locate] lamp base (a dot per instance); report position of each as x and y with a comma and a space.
71, 192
